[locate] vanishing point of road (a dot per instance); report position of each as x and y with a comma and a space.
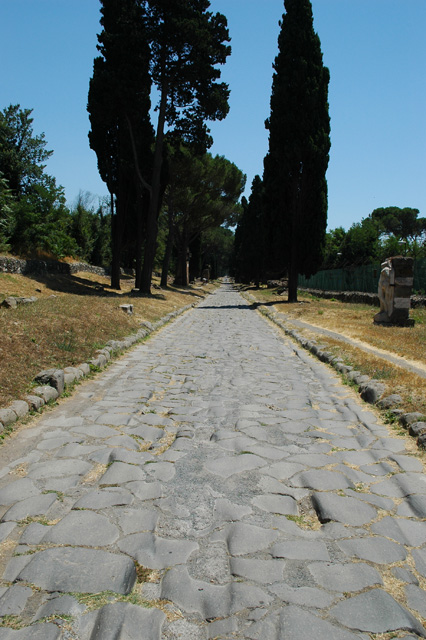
214, 482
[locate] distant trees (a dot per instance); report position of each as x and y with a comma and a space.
299, 141
249, 261
202, 195
387, 231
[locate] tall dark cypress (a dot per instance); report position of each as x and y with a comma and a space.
299, 142
121, 132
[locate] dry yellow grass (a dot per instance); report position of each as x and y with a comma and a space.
72, 318
355, 321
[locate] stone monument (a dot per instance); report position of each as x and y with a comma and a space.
395, 285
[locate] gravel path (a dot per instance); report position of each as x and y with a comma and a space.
215, 482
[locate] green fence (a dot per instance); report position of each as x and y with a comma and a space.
364, 278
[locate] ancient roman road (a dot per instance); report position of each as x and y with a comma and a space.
214, 482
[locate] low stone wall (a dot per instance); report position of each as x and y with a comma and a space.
17, 265
360, 297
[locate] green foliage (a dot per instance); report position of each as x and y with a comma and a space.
22, 154
6, 214
250, 237
216, 250
91, 230
387, 231
299, 143
203, 194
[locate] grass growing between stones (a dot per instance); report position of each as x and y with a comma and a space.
72, 318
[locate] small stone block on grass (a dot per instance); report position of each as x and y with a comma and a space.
127, 308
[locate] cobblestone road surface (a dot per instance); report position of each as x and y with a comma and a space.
215, 482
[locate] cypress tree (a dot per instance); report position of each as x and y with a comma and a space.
299, 142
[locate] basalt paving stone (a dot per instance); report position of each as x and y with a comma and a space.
408, 463
34, 506
47, 631
375, 612
75, 450
78, 570
230, 465
295, 623
401, 485
271, 453
59, 468
263, 571
120, 473
130, 457
95, 431
346, 510
123, 441
153, 420
321, 480
406, 532
13, 601
83, 528
5, 529
18, 490
121, 620
227, 511
404, 575
245, 538
162, 471
208, 600
313, 459
419, 556
282, 470
378, 469
377, 501
377, 549
272, 485
284, 505
416, 599
135, 520
150, 434
303, 596
104, 498
346, 577
54, 443
237, 444
154, 552
65, 605
301, 550
413, 506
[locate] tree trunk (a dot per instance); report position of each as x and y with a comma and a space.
115, 246
139, 237
293, 278
168, 252
154, 202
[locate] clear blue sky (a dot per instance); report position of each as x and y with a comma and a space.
375, 49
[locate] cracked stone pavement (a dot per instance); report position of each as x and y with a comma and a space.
214, 482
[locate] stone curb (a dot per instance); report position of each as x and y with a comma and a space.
372, 391
54, 381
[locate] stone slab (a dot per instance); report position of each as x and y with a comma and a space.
69, 569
